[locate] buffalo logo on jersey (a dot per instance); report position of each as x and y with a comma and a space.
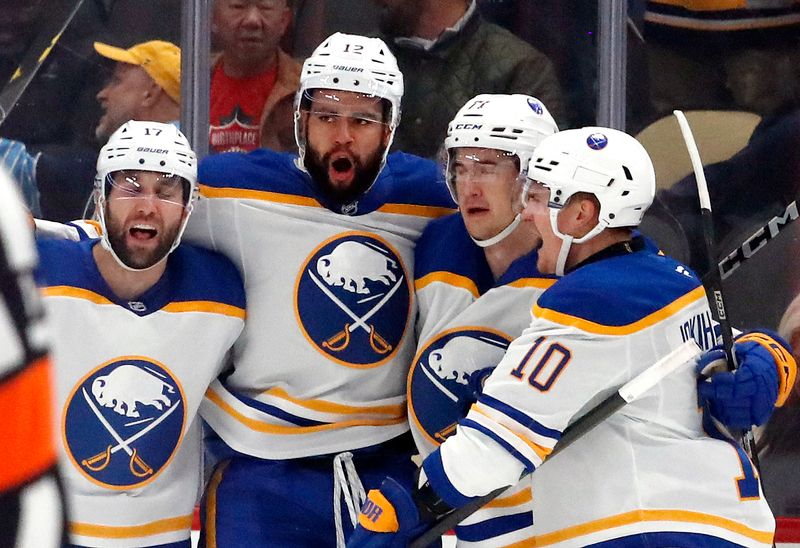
438, 389
353, 299
123, 422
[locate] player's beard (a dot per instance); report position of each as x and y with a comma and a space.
139, 259
365, 174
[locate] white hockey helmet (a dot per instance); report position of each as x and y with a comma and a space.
146, 146
514, 124
605, 162
350, 62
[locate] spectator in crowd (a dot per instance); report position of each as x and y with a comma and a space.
144, 85
714, 55
252, 76
453, 55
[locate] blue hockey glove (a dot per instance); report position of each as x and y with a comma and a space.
389, 518
21, 165
763, 380
475, 382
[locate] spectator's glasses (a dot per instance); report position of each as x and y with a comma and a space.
167, 188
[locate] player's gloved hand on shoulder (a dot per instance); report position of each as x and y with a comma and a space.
389, 518
475, 382
762, 381
21, 165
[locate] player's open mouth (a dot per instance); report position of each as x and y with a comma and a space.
342, 170
477, 210
143, 232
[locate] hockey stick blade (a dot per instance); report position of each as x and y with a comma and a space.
36, 56
757, 241
625, 394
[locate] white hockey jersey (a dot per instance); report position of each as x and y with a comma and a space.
465, 322
322, 364
652, 468
130, 376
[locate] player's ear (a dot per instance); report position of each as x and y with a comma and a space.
586, 213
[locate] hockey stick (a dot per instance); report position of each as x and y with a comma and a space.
625, 394
35, 57
714, 280
757, 241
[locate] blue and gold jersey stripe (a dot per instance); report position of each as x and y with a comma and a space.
601, 329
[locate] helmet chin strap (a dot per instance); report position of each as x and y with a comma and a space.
566, 244
500, 236
567, 240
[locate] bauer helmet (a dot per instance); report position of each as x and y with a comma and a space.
349, 62
145, 146
608, 163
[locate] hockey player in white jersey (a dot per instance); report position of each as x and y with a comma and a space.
653, 474
315, 405
142, 325
476, 278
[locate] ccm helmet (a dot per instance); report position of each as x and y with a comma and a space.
145, 146
514, 124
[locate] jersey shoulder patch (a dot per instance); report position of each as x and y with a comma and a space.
261, 170
445, 247
65, 262
524, 270
201, 274
409, 179
621, 290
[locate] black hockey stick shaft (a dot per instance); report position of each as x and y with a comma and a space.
713, 281
757, 241
36, 55
627, 393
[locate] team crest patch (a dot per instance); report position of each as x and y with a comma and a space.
353, 299
597, 141
123, 422
438, 387
536, 106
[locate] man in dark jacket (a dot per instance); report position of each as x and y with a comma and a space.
450, 54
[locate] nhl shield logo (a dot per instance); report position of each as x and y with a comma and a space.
438, 390
353, 298
123, 422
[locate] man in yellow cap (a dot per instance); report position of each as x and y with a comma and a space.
145, 85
